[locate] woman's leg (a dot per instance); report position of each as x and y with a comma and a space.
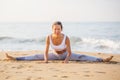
83, 57
107, 59
9, 57
31, 57
51, 56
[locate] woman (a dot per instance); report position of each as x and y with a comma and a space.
60, 44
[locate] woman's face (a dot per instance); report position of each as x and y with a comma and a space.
56, 29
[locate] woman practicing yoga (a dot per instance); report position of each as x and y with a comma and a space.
60, 44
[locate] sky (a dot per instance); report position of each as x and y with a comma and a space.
60, 10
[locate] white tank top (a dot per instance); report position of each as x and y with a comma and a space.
60, 47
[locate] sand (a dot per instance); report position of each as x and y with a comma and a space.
56, 70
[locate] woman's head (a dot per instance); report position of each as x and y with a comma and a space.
57, 27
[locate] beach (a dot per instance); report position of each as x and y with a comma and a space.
89, 27
101, 39
56, 70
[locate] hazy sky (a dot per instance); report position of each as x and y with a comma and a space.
63, 10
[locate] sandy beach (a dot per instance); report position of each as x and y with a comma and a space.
56, 70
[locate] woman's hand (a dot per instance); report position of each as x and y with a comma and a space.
65, 61
45, 61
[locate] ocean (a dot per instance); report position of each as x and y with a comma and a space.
86, 37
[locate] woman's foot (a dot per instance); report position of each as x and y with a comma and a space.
9, 57
107, 59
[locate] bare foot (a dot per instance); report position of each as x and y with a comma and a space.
9, 57
107, 59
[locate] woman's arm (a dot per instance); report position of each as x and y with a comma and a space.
68, 50
46, 49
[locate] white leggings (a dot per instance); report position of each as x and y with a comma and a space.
55, 56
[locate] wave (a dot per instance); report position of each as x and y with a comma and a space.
3, 38
96, 43
75, 41
102, 43
21, 40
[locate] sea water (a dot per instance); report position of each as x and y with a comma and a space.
86, 37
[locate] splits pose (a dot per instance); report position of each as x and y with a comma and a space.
60, 44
